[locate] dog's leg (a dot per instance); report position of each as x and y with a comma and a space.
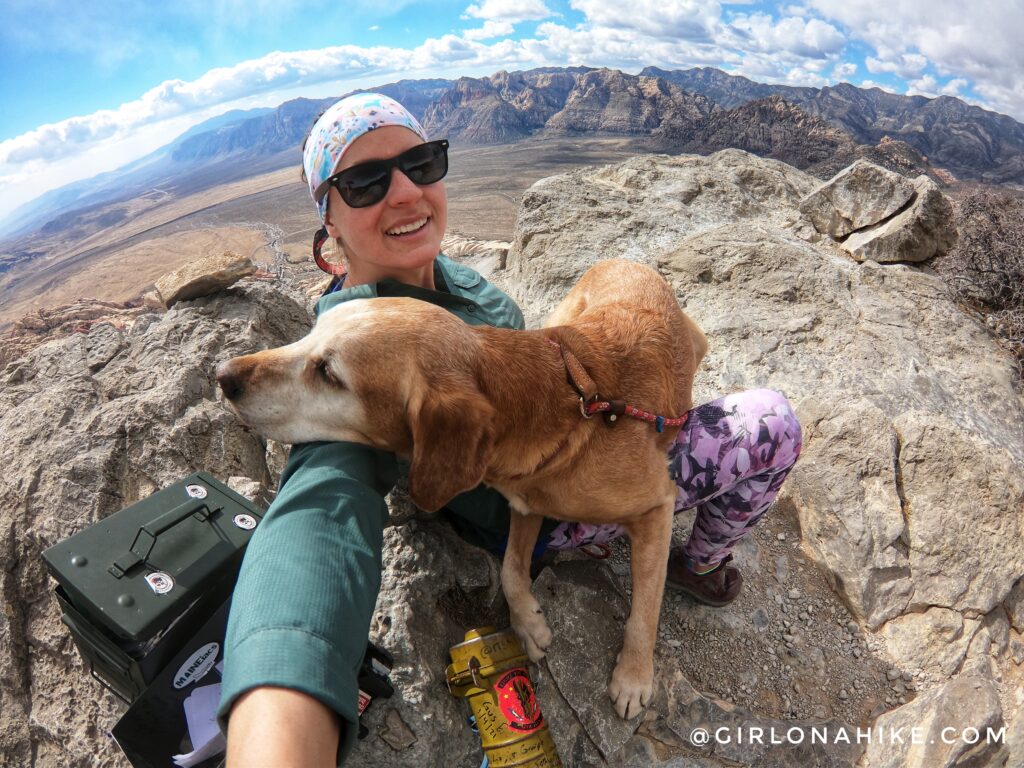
632, 681
527, 617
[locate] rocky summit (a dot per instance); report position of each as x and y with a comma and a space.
882, 589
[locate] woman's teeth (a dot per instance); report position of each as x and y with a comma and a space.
407, 228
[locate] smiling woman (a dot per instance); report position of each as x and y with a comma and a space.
301, 610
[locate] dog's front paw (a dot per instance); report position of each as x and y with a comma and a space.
530, 625
630, 689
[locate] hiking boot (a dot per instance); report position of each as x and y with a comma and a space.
718, 587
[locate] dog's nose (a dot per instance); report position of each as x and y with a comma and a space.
229, 380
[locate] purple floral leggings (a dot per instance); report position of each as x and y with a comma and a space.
729, 461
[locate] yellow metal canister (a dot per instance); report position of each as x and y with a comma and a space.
489, 668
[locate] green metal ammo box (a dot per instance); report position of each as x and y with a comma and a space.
135, 587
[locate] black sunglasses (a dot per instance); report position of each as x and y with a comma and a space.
367, 184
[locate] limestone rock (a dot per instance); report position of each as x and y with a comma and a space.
638, 209
852, 521
858, 196
1015, 605
966, 702
203, 277
922, 231
953, 563
587, 614
936, 640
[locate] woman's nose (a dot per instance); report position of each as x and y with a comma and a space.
402, 189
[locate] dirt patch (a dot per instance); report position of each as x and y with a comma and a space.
787, 648
123, 275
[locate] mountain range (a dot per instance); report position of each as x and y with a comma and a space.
698, 110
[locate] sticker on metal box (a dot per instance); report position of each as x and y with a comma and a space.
160, 582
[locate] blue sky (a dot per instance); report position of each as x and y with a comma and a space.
88, 86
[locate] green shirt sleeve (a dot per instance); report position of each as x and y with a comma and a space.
301, 610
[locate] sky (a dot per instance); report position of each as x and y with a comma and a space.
86, 87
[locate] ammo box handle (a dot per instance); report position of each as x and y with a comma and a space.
142, 545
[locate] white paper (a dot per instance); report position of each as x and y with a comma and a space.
203, 732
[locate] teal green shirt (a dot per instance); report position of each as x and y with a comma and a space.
301, 610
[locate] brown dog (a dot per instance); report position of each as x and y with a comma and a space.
481, 404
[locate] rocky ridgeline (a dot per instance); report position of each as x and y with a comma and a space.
881, 589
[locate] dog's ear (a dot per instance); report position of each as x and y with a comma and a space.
453, 439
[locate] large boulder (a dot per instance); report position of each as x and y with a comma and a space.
203, 277
857, 197
922, 231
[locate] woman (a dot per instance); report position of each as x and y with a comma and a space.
306, 592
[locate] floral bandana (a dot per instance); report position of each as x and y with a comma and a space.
336, 129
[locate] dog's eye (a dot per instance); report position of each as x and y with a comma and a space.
323, 369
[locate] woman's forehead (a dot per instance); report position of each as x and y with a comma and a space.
379, 144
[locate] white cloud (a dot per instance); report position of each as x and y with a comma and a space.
953, 87
489, 30
374, 28
176, 97
844, 70
923, 86
906, 65
509, 10
811, 38
690, 20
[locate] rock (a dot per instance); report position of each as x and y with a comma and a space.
859, 541
1015, 605
586, 612
965, 702
641, 209
574, 746
395, 733
247, 487
152, 300
83, 440
924, 230
110, 319
952, 565
1016, 648
203, 277
103, 342
857, 197
936, 640
1015, 742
